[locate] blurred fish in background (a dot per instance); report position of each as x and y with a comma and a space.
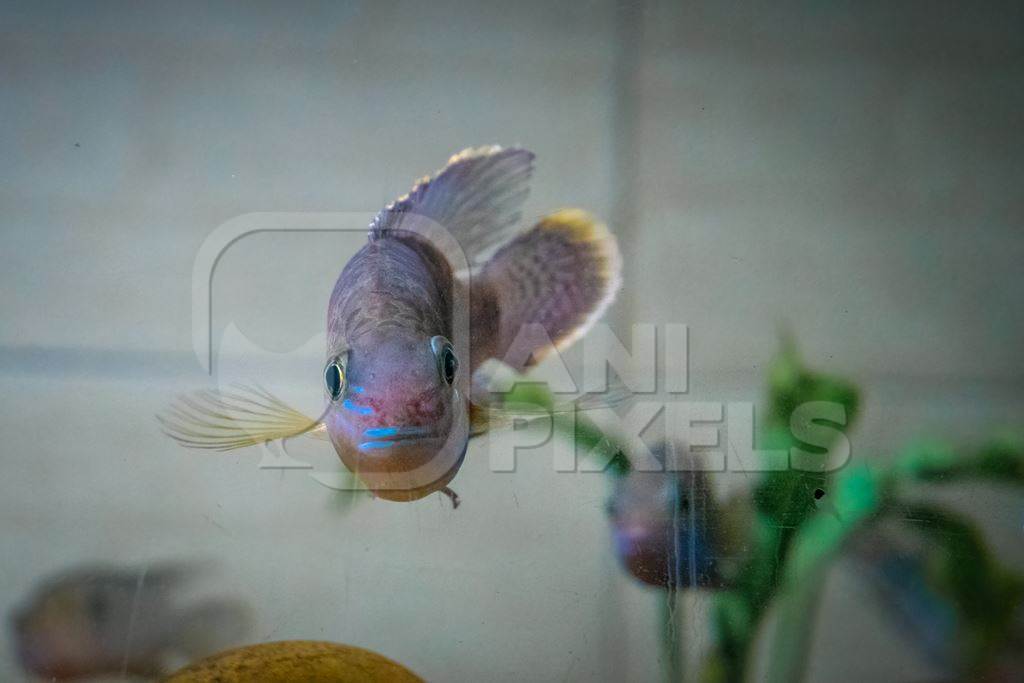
896, 569
669, 531
930, 568
96, 621
914, 579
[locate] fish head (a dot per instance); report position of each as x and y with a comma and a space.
397, 414
656, 519
642, 524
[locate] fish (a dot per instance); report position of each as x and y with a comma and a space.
899, 571
921, 586
295, 660
98, 620
670, 531
448, 287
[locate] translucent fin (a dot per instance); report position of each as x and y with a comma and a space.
224, 421
476, 197
543, 290
528, 400
319, 432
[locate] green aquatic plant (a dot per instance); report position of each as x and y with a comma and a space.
802, 520
984, 593
799, 520
796, 539
783, 501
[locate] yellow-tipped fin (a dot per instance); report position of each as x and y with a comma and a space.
544, 289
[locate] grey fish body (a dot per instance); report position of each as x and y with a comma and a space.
447, 281
405, 334
391, 299
399, 282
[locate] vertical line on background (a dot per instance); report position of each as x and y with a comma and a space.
625, 91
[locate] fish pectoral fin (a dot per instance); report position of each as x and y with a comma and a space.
319, 432
226, 420
544, 289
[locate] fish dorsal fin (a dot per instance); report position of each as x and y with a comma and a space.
476, 198
226, 420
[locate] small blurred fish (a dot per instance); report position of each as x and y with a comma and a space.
669, 530
400, 364
919, 582
896, 569
105, 621
296, 660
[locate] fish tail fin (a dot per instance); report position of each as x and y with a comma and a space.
211, 626
544, 289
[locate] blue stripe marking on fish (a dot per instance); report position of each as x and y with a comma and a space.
369, 445
362, 410
380, 431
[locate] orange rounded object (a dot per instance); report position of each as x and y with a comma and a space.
295, 660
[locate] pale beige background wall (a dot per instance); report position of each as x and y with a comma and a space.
853, 170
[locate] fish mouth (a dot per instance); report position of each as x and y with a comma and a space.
376, 438
633, 534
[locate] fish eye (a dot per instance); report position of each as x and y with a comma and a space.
447, 363
334, 378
